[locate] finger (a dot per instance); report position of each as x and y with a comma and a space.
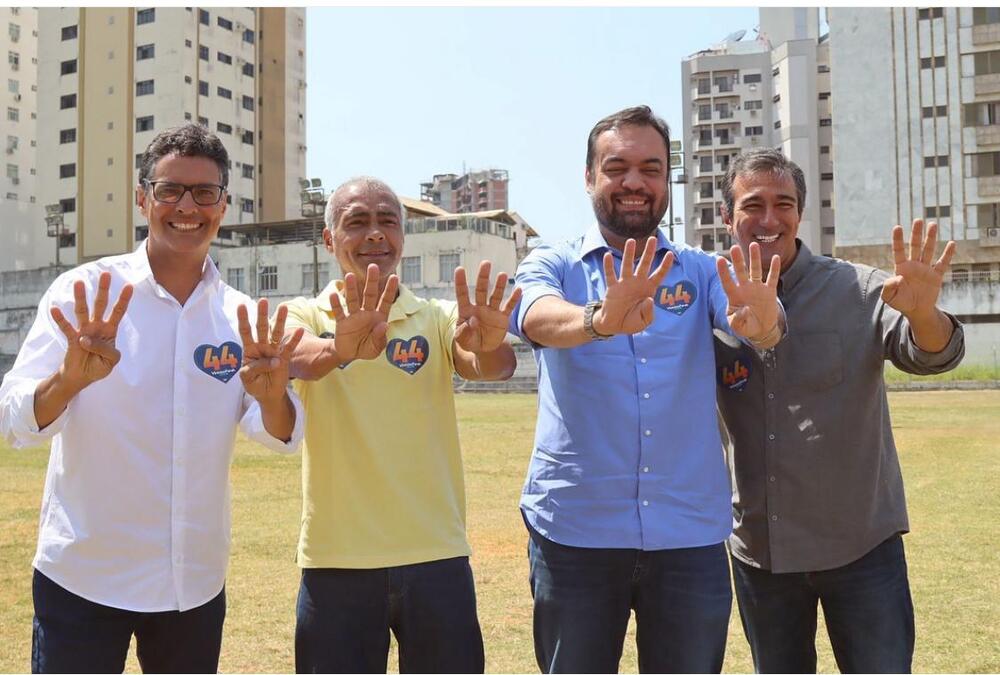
739, 264
663, 269
103, 348
942, 264
389, 295
483, 282
65, 326
121, 304
263, 329
646, 260
756, 273
890, 287
462, 292
628, 259
335, 307
278, 331
610, 279
80, 304
351, 293
774, 271
243, 322
498, 289
898, 254
369, 298
101, 299
930, 243
258, 367
916, 238
726, 277
515, 297
288, 348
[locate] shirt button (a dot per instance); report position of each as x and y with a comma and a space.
770, 437
642, 360
771, 395
771, 479
774, 517
649, 432
645, 469
646, 395
645, 502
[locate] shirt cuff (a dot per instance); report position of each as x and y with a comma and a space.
952, 352
19, 424
253, 426
529, 297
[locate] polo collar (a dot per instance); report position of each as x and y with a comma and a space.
593, 240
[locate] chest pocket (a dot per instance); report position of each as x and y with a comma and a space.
813, 361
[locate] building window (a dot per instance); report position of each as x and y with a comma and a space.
248, 69
248, 137
775, 98
67, 67
144, 88
983, 15
13, 86
982, 114
824, 95
144, 123
67, 136
248, 36
987, 215
988, 63
203, 52
822, 68
751, 78
267, 278
753, 105
932, 62
224, 23
933, 161
705, 190
704, 112
187, 43
222, 92
704, 86
707, 242
775, 72
12, 172
203, 17
145, 52
67, 170
13, 114
411, 270
203, 121
67, 101
225, 58
930, 13
14, 60
248, 170
224, 128
447, 262
322, 272
825, 122
825, 203
69, 32
725, 84
67, 205
705, 163
777, 124
248, 103
707, 216
235, 277
704, 136
202, 88
826, 176
824, 149
246, 205
145, 16
985, 164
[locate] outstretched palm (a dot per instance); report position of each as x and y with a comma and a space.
482, 326
265, 358
753, 301
916, 282
628, 303
360, 332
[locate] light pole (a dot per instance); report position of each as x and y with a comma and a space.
313, 202
54, 225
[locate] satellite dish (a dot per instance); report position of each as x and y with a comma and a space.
735, 36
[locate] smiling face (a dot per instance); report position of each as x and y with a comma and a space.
766, 211
368, 229
183, 228
628, 182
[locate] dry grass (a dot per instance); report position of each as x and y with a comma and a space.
950, 456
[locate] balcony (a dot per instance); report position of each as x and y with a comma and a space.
727, 141
987, 84
985, 33
700, 92
988, 186
986, 136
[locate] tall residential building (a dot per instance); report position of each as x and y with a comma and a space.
18, 182
916, 98
769, 92
473, 191
110, 79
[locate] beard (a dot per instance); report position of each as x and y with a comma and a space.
634, 225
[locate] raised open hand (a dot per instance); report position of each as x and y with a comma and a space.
482, 326
916, 282
628, 303
360, 332
753, 301
265, 358
91, 354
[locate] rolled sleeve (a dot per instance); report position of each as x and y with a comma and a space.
540, 274
252, 424
18, 425
907, 356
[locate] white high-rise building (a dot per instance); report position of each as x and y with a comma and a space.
110, 79
21, 218
769, 92
916, 98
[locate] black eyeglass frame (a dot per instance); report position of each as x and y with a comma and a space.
151, 185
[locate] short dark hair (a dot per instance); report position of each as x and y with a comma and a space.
639, 116
187, 140
762, 160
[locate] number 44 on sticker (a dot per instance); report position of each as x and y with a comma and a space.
411, 352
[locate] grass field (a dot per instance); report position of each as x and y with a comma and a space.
949, 450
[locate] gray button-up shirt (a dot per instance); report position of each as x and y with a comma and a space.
815, 474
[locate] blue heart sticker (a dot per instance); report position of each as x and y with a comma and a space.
676, 298
408, 355
220, 362
735, 375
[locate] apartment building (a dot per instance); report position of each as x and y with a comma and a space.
473, 191
18, 179
110, 79
772, 91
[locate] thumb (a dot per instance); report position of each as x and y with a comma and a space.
100, 348
890, 288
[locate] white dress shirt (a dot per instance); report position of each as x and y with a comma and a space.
136, 509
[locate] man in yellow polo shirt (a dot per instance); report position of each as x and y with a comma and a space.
383, 542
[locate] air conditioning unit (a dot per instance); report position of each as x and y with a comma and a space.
15, 181
993, 232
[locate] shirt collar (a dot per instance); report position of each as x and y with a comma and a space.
798, 268
593, 240
140, 270
406, 302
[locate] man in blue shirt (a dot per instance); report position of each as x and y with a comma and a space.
627, 498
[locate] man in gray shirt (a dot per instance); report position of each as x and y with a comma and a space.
818, 499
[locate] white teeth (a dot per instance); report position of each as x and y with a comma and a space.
767, 240
185, 227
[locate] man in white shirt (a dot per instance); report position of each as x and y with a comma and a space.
142, 408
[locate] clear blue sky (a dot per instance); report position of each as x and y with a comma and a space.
405, 93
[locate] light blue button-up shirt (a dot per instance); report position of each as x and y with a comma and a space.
627, 450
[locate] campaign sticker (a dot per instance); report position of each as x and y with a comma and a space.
676, 298
735, 375
408, 355
220, 362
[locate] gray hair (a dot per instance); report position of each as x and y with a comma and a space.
762, 160
334, 206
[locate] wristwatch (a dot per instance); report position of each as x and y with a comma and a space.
588, 321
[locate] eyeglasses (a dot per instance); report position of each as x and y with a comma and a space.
166, 192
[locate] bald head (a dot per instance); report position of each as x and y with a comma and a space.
353, 188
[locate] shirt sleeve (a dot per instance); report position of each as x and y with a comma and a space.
719, 301
252, 425
898, 345
40, 356
538, 275
447, 322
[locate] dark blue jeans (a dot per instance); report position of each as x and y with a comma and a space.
584, 596
866, 604
74, 635
344, 617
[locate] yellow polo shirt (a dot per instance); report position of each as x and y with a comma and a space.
382, 478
